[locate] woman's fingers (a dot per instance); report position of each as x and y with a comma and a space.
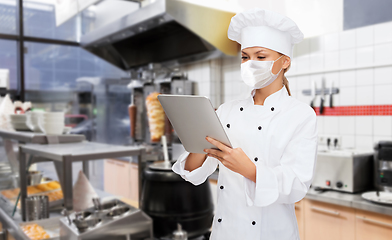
214, 152
217, 144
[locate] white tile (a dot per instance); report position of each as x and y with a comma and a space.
320, 125
346, 125
331, 42
383, 53
382, 125
365, 36
383, 94
347, 58
303, 82
348, 141
382, 75
227, 88
383, 32
364, 142
347, 78
363, 125
365, 95
347, 96
347, 39
317, 44
364, 56
303, 64
364, 76
292, 84
331, 125
293, 67
303, 48
316, 61
331, 60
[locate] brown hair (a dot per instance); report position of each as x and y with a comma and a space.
285, 81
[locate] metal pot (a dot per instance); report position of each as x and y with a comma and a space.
168, 200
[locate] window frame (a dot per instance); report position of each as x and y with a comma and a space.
20, 38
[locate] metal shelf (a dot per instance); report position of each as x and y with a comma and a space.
63, 155
39, 138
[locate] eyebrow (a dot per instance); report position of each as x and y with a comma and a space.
260, 51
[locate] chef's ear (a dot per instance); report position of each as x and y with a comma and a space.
286, 62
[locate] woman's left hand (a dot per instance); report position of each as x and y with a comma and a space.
234, 159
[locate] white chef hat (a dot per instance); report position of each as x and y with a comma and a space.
263, 28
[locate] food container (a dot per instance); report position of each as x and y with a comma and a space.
37, 207
34, 177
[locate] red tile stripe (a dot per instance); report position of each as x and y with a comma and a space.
364, 110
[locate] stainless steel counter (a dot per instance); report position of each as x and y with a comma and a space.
40, 138
63, 155
348, 200
12, 223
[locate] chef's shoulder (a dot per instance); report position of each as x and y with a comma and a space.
300, 110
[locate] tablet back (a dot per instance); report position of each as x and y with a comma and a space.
193, 118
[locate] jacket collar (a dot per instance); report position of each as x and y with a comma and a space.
273, 100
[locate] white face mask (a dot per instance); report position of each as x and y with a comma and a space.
258, 74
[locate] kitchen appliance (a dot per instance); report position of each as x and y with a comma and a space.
344, 170
170, 200
164, 31
113, 220
383, 166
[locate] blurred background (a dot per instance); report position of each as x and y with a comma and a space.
98, 61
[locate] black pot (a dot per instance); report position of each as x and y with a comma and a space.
168, 199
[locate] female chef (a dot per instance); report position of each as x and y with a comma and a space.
274, 138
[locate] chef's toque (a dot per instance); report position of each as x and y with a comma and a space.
263, 28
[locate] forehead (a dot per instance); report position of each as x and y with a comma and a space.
253, 50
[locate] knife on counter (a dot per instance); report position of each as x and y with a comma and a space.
313, 93
322, 96
331, 95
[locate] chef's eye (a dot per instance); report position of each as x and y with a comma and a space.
261, 58
244, 58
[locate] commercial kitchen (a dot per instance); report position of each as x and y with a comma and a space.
87, 150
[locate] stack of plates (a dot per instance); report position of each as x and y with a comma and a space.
52, 123
18, 122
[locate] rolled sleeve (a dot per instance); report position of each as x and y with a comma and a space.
200, 174
289, 181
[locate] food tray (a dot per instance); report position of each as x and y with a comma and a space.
52, 204
15, 191
50, 225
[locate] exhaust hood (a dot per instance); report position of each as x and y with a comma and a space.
164, 31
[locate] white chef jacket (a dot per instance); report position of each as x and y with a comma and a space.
280, 137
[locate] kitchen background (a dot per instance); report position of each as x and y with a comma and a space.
347, 46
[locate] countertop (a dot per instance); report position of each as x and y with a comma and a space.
353, 200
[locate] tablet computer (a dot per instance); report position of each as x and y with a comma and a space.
193, 118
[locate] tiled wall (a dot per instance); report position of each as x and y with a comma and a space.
358, 61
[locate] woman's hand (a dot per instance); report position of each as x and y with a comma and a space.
234, 159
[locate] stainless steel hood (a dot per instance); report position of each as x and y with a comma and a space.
165, 31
